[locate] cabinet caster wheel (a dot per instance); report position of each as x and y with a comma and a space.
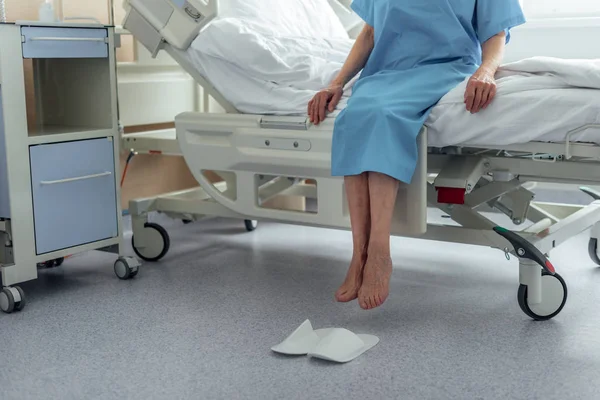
12, 299
593, 250
52, 263
251, 225
554, 297
157, 243
126, 268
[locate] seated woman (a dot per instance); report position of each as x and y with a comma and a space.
411, 53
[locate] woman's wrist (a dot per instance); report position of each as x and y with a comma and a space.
337, 82
489, 69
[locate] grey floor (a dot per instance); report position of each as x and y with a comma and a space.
199, 324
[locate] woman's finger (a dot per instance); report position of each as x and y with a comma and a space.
470, 96
477, 99
322, 107
316, 108
490, 97
334, 101
484, 93
310, 109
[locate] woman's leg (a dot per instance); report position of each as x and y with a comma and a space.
357, 192
378, 269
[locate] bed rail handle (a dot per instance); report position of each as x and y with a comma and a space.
287, 123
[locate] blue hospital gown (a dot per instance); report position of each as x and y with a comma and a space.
423, 49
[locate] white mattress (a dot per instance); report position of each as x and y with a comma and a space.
539, 99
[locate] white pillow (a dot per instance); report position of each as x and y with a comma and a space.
306, 18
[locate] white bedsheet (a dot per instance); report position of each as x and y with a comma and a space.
538, 99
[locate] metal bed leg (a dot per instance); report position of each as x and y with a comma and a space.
530, 276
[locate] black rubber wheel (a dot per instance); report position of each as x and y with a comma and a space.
48, 264
165, 239
522, 299
21, 304
122, 269
7, 301
59, 261
593, 250
250, 225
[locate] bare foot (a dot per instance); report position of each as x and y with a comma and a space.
349, 289
376, 282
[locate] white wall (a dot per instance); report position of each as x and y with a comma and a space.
556, 38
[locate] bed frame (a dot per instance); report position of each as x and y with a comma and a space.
263, 157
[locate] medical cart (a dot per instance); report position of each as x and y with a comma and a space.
59, 150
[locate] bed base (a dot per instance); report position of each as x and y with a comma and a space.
495, 182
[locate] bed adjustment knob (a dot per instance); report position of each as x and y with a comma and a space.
267, 142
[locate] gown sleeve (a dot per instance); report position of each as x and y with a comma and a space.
495, 16
365, 10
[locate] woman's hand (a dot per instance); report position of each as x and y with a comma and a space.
325, 100
481, 90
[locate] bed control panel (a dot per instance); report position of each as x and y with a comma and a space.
189, 9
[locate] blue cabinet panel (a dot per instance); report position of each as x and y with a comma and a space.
74, 193
49, 42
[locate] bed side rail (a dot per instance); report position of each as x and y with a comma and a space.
178, 22
247, 148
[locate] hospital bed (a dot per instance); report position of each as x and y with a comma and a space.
263, 156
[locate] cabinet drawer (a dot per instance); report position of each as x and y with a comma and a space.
74, 193
50, 42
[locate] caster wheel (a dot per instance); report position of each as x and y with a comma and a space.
51, 263
20, 304
251, 225
125, 269
554, 297
158, 243
593, 250
8, 302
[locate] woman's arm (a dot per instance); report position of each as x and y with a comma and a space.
482, 85
357, 59
329, 98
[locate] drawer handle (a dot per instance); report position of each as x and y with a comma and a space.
67, 39
79, 178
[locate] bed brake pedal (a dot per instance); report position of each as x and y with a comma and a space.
524, 249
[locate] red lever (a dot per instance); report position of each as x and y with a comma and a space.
451, 195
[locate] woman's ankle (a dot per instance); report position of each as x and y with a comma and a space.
379, 249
